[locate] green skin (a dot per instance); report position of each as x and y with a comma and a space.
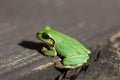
74, 52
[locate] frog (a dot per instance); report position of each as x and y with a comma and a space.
73, 53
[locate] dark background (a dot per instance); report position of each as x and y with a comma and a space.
89, 21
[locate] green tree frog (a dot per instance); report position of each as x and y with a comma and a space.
73, 53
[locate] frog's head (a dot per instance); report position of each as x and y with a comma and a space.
44, 35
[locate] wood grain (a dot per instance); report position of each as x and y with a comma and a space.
89, 21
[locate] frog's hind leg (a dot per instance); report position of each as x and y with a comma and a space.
58, 64
75, 60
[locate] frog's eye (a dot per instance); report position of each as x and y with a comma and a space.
45, 36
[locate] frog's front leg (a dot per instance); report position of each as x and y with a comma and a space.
50, 52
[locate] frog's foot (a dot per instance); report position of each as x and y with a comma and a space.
58, 64
73, 67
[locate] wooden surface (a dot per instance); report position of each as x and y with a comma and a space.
89, 21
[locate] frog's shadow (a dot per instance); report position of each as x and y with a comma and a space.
32, 45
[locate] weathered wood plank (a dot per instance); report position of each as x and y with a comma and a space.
89, 21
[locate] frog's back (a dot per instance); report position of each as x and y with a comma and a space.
66, 45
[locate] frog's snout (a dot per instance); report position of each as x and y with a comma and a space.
37, 35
